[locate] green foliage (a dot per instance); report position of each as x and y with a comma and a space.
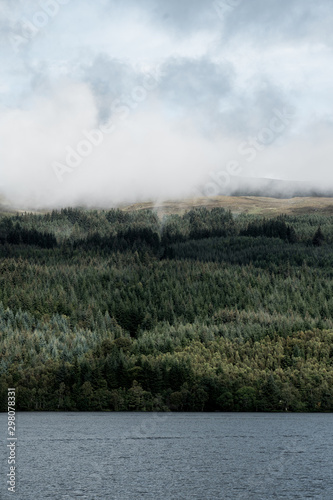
273, 228
116, 310
318, 238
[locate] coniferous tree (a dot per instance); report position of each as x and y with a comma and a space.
318, 238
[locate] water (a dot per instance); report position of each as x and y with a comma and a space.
129, 456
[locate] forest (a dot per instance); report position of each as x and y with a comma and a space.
113, 310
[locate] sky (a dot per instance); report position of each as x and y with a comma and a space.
113, 101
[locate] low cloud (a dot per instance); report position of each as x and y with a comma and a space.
58, 152
53, 162
224, 69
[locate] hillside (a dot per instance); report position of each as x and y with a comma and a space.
115, 310
242, 204
255, 205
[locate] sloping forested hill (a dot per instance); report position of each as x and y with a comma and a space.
118, 310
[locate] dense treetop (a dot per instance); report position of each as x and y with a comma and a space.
206, 311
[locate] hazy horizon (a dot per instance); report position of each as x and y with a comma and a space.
107, 103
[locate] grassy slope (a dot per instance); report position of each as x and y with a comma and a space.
237, 204
243, 204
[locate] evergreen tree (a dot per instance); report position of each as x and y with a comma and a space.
318, 238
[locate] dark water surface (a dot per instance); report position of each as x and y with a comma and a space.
200, 456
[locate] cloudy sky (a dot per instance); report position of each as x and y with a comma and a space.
113, 101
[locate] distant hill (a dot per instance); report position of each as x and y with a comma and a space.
242, 204
275, 188
237, 204
243, 195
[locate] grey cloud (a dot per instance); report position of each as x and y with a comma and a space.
109, 79
254, 110
261, 20
186, 81
207, 92
185, 15
187, 87
195, 86
280, 20
181, 17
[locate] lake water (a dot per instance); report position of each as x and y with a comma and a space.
129, 456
